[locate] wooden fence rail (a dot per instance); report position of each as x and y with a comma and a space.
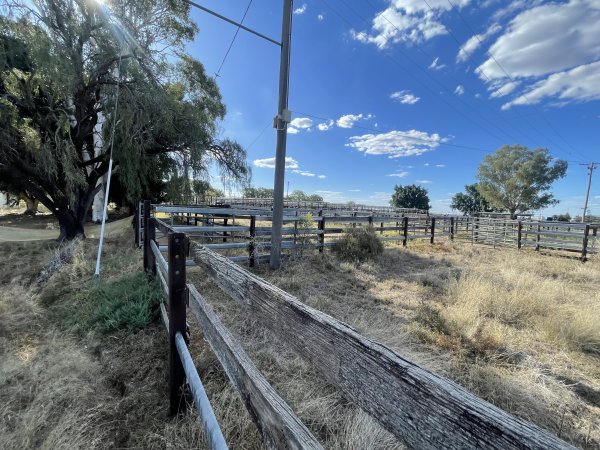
422, 409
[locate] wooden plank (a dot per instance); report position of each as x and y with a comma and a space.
212, 431
274, 418
164, 227
425, 410
161, 262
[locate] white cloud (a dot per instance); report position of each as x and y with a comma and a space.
405, 97
426, 164
301, 122
460, 90
396, 144
474, 42
440, 165
348, 120
292, 130
322, 177
552, 49
409, 21
324, 126
358, 190
300, 10
304, 173
332, 196
579, 84
321, 17
424, 181
269, 163
435, 65
399, 174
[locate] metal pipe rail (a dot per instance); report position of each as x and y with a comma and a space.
213, 433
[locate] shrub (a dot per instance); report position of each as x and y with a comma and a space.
358, 245
126, 303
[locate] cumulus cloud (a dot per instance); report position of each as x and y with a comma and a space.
348, 120
324, 126
460, 90
399, 174
436, 65
558, 65
290, 163
300, 10
396, 144
579, 84
292, 130
405, 97
321, 17
301, 122
410, 21
269, 163
304, 173
474, 42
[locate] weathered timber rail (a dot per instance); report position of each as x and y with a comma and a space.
420, 408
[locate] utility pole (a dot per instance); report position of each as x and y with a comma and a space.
591, 166
280, 123
287, 195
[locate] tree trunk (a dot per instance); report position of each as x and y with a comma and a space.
70, 226
32, 205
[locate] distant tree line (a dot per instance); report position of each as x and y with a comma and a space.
261, 192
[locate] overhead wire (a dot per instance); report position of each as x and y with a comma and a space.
237, 30
477, 122
493, 58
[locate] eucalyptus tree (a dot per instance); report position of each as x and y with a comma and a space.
66, 64
517, 179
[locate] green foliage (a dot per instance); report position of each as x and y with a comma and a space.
410, 196
124, 304
358, 245
517, 179
302, 196
60, 65
470, 201
258, 192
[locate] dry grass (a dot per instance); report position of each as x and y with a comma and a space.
520, 330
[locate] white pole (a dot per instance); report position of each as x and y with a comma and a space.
97, 273
110, 162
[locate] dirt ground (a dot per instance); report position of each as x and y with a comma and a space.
518, 329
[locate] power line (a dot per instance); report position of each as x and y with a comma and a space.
259, 135
490, 81
233, 40
415, 138
426, 87
511, 78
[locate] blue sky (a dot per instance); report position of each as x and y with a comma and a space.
411, 91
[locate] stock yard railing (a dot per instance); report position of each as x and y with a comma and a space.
245, 234
578, 239
419, 407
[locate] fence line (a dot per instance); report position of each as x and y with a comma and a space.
419, 407
224, 229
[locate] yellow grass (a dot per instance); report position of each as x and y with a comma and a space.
520, 330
